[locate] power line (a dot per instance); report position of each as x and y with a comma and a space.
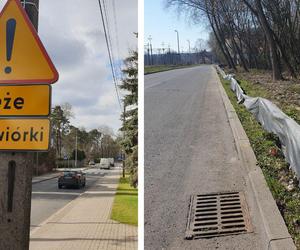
109, 54
117, 33
116, 64
109, 36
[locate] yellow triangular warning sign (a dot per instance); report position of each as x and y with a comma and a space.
23, 58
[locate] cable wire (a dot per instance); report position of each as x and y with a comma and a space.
108, 33
109, 53
117, 34
116, 66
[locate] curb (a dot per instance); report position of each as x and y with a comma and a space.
277, 235
50, 178
150, 73
46, 179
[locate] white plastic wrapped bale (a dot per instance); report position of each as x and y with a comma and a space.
222, 72
236, 88
274, 120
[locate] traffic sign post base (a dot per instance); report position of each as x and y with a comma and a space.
15, 200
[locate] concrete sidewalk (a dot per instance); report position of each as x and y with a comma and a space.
85, 222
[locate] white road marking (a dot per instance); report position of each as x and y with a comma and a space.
63, 193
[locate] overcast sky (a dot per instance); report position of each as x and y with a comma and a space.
71, 31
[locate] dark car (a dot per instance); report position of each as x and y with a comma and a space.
71, 179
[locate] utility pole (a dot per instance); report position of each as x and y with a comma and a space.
16, 182
76, 149
177, 41
101, 145
148, 54
159, 55
150, 39
37, 163
189, 50
170, 57
179, 58
163, 49
189, 45
32, 9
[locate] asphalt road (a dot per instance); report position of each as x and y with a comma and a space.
47, 199
189, 149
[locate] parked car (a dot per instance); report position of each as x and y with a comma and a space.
112, 162
72, 178
105, 163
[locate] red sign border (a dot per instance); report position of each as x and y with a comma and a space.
41, 46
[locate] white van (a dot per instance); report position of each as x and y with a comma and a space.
105, 163
112, 162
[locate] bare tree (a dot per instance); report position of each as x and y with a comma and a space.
251, 33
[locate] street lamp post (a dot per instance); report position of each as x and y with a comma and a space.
178, 58
150, 39
177, 40
189, 45
148, 53
76, 149
189, 50
163, 49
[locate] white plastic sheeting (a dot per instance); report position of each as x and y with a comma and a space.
236, 88
273, 120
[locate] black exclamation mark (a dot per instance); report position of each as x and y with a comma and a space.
10, 37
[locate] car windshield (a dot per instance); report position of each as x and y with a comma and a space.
70, 173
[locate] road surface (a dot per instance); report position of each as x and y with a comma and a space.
47, 199
189, 149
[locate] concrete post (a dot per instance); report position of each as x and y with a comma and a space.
16, 183
15, 200
32, 10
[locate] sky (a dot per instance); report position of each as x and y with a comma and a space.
72, 33
160, 24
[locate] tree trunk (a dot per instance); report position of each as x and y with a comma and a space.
285, 57
275, 60
222, 44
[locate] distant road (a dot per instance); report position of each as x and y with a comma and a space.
189, 149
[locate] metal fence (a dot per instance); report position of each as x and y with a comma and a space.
168, 57
69, 163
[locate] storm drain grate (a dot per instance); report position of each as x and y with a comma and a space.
217, 214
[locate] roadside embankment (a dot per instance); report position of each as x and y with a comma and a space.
270, 158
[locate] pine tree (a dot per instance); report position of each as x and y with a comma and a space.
130, 125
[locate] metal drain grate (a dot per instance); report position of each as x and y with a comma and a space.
217, 214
